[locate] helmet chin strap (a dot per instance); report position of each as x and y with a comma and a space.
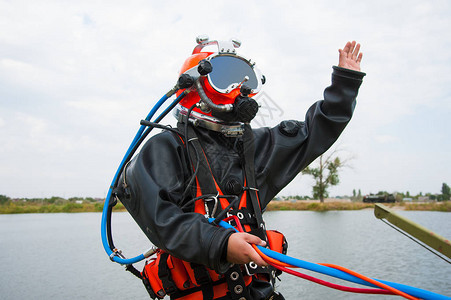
210, 123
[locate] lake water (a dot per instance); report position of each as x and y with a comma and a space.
60, 256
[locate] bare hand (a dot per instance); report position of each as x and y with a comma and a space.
349, 57
240, 251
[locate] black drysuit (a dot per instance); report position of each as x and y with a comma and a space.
157, 176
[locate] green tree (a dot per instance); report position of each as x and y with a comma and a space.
4, 199
446, 191
325, 174
356, 196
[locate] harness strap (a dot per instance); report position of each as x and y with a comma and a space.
245, 215
147, 285
235, 282
164, 273
204, 280
133, 270
193, 290
204, 176
249, 171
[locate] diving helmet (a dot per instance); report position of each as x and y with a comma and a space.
221, 85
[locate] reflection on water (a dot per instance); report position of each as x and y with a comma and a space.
60, 255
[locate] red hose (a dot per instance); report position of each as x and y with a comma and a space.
375, 282
330, 284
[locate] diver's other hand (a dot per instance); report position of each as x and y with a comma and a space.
240, 251
350, 57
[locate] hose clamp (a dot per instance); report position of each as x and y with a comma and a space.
116, 253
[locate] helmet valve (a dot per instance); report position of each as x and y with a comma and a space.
204, 67
185, 81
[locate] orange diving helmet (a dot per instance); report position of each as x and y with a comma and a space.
221, 83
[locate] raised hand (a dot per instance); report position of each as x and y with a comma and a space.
350, 57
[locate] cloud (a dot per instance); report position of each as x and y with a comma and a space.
76, 78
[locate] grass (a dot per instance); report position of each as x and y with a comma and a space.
326, 206
444, 206
72, 207
316, 206
30, 208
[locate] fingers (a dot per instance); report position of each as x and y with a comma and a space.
355, 53
252, 239
359, 58
240, 250
346, 48
256, 258
351, 50
253, 255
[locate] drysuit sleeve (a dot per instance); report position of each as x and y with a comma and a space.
285, 150
155, 179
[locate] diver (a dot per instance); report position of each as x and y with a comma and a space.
214, 166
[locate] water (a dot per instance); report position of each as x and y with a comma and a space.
360, 242
59, 256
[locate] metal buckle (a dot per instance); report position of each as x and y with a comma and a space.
252, 268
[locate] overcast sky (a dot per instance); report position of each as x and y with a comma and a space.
77, 76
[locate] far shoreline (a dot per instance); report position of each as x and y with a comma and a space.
275, 205
346, 204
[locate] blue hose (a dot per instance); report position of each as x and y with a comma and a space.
138, 135
416, 292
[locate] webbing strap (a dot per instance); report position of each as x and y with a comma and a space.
147, 285
184, 293
204, 173
249, 171
236, 284
165, 274
245, 215
133, 270
204, 280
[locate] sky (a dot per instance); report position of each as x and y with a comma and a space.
76, 77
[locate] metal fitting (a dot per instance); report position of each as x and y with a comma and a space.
238, 289
234, 276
